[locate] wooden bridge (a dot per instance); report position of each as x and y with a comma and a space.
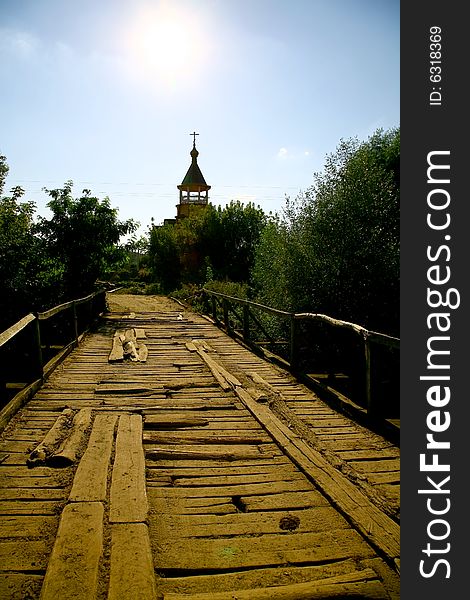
163, 459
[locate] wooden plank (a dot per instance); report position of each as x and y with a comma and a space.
310, 520
242, 490
91, 477
173, 422
28, 526
52, 439
70, 448
242, 552
382, 531
72, 571
117, 353
361, 584
255, 578
16, 586
128, 495
23, 555
284, 501
208, 480
13, 507
131, 574
189, 453
15, 493
205, 437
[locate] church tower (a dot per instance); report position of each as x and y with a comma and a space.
193, 188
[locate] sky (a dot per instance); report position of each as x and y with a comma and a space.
106, 94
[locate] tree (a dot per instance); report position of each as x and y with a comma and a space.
164, 257
341, 239
220, 241
83, 236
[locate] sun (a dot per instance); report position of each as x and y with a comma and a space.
167, 45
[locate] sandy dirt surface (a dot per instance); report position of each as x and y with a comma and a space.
132, 303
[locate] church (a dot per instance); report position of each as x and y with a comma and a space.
193, 190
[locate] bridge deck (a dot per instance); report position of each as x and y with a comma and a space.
204, 472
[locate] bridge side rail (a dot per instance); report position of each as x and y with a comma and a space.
31, 348
243, 323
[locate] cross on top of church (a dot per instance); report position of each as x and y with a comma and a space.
194, 134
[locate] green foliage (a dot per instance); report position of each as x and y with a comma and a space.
336, 249
230, 288
215, 244
46, 261
3, 172
229, 236
83, 236
164, 258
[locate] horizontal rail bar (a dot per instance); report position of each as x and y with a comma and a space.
242, 301
372, 336
57, 309
9, 333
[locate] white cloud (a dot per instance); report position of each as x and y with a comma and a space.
20, 43
282, 153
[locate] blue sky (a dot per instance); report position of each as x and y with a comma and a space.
106, 93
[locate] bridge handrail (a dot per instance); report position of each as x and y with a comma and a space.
32, 350
365, 335
10, 333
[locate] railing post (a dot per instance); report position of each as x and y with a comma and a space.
38, 372
371, 408
293, 342
74, 322
226, 319
246, 322
214, 308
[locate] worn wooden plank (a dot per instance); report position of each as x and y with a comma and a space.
310, 520
128, 495
90, 481
241, 552
70, 448
117, 353
379, 529
23, 555
255, 578
173, 422
72, 571
242, 490
205, 437
361, 584
15, 493
19, 586
52, 439
131, 573
190, 453
14, 507
28, 526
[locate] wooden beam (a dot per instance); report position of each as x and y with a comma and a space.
73, 567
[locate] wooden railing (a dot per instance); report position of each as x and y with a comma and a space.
32, 347
360, 367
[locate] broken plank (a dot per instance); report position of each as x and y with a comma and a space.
70, 448
52, 439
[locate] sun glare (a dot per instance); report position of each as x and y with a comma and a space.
167, 46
